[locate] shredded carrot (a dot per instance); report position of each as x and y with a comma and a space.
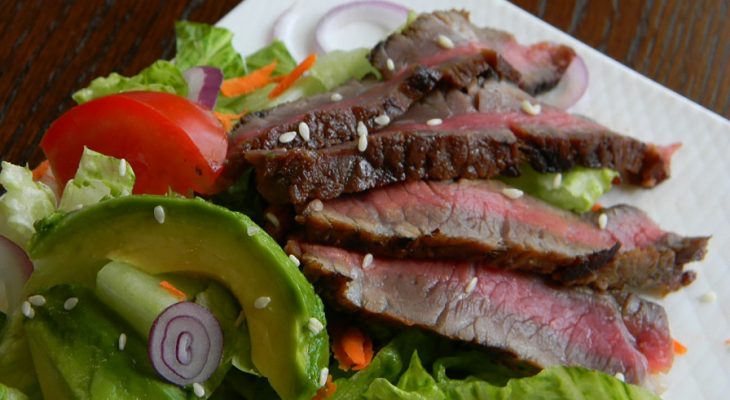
597, 207
289, 79
40, 170
353, 349
173, 290
248, 83
727, 342
327, 390
679, 348
227, 119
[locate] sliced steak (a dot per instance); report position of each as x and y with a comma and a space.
535, 68
475, 220
650, 258
502, 309
333, 121
483, 132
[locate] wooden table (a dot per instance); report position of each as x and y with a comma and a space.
51, 48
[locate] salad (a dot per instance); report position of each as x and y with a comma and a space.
139, 289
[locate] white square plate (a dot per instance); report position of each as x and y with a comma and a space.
695, 201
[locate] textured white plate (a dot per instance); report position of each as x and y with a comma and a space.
696, 201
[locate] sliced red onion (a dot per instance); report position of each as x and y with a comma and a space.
204, 83
15, 269
381, 15
185, 344
284, 24
570, 88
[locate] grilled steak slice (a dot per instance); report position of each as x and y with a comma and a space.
497, 308
650, 258
332, 122
535, 69
483, 133
475, 220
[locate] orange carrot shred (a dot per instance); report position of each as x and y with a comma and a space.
327, 390
679, 348
289, 79
248, 83
179, 294
597, 207
40, 170
353, 349
227, 119
727, 342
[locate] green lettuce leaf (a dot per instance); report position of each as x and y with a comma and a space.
206, 45
24, 203
98, 177
276, 51
16, 363
339, 66
578, 190
161, 76
471, 375
8, 393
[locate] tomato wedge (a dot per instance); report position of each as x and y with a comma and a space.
169, 141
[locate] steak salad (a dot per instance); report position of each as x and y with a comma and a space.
437, 231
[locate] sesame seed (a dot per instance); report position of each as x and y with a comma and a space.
27, 310
252, 230
336, 97
382, 120
512, 193
198, 389
529, 108
70, 303
434, 122
620, 376
362, 130
287, 137
159, 214
362, 143
471, 285
557, 180
122, 167
262, 302
294, 259
602, 221
272, 218
316, 205
390, 64
37, 300
122, 341
304, 131
78, 207
323, 374
315, 326
708, 297
445, 42
367, 261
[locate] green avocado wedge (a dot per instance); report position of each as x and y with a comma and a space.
200, 239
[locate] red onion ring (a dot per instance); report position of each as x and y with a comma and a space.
204, 83
15, 269
185, 344
283, 24
385, 14
571, 87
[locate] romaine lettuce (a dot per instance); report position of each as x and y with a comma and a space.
161, 76
206, 45
576, 190
98, 177
24, 203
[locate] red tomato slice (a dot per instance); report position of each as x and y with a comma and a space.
169, 141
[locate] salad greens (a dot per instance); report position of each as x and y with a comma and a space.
27, 201
400, 370
8, 393
576, 190
206, 45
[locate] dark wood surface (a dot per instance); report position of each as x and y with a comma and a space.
51, 48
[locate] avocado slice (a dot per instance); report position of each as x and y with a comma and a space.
198, 238
76, 356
